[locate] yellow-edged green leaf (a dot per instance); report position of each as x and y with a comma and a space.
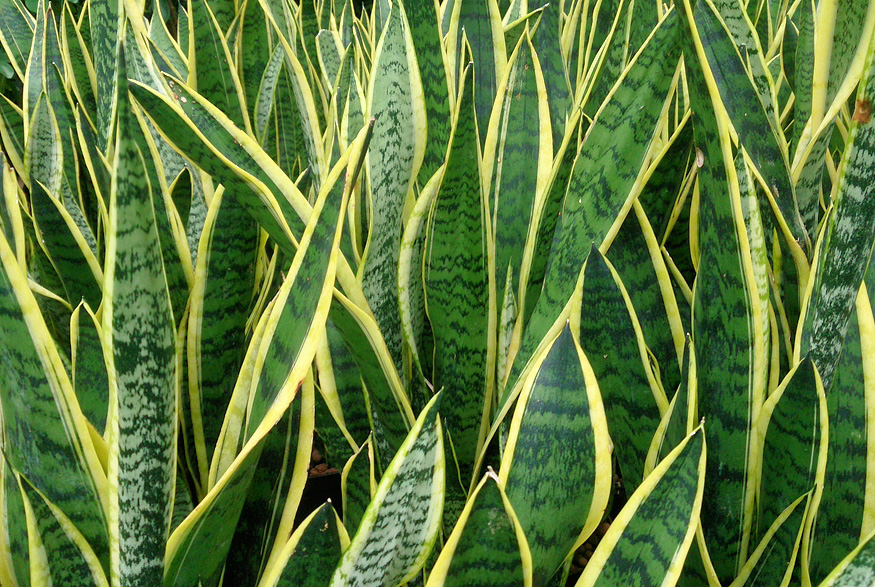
648, 541
727, 331
487, 545
90, 378
558, 433
36, 395
218, 312
210, 68
71, 561
611, 338
457, 288
311, 553
16, 33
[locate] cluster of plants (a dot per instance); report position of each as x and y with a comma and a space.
524, 273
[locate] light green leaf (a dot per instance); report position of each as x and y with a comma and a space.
141, 338
395, 99
402, 522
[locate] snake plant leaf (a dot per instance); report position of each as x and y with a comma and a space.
106, 24
457, 287
538, 249
847, 242
15, 564
480, 22
218, 312
77, 61
328, 49
637, 256
513, 31
803, 69
303, 300
308, 108
793, 424
358, 484
276, 487
290, 136
727, 325
264, 100
427, 40
12, 132
608, 64
395, 99
36, 394
487, 545
166, 45
351, 394
750, 47
611, 338
601, 186
850, 37
66, 247
774, 561
278, 358
857, 569
11, 217
253, 60
16, 34
90, 378
648, 541
547, 44
516, 185
69, 558
311, 553
138, 323
559, 433
842, 517
390, 405
210, 67
401, 524
34, 75
217, 147
750, 118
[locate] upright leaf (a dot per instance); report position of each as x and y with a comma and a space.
139, 330
558, 433
395, 100
399, 527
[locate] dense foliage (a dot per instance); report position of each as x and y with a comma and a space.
564, 294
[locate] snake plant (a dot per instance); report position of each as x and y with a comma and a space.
567, 293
